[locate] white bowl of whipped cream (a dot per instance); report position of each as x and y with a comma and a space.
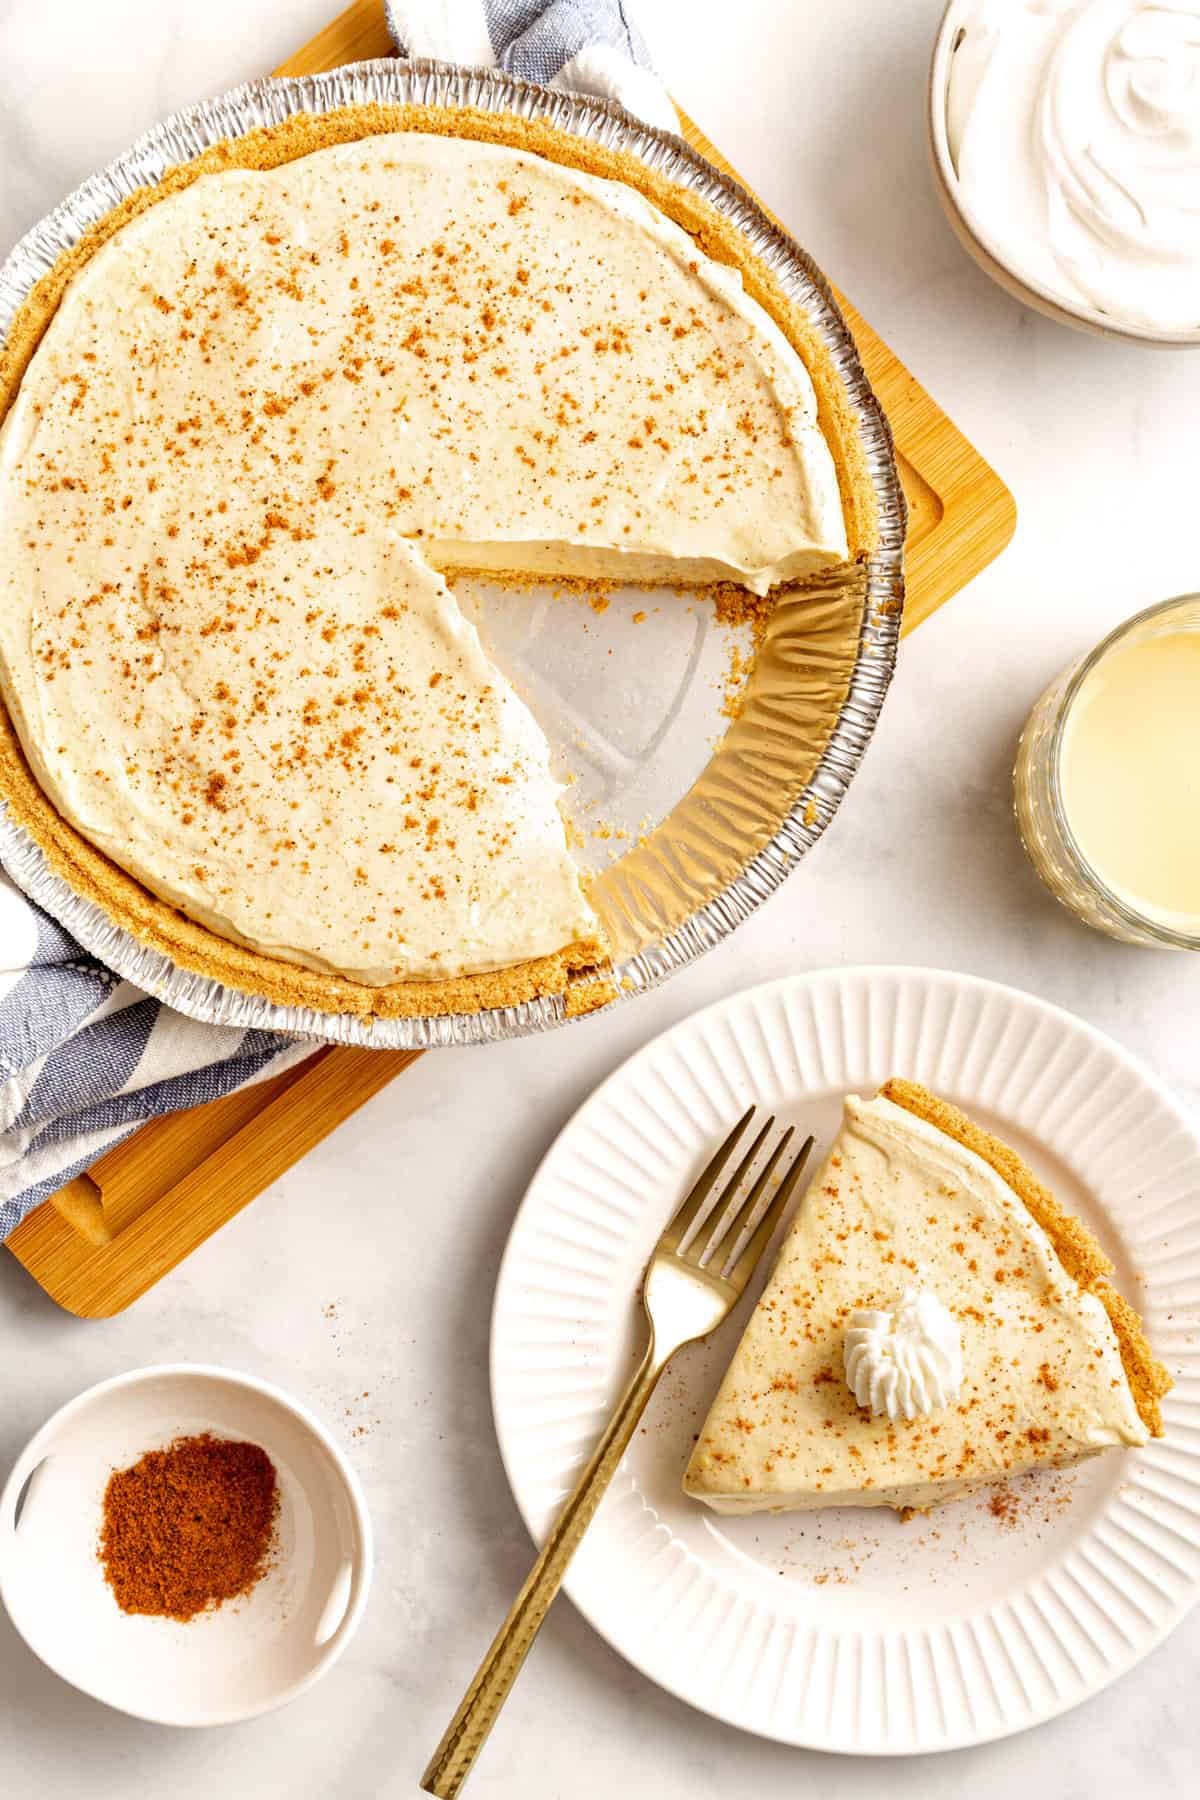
1066, 143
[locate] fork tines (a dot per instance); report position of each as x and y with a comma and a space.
731, 1215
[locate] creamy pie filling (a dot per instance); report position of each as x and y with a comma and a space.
266, 414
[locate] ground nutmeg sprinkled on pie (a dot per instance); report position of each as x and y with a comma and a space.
264, 419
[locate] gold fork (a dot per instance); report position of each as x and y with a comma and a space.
693, 1279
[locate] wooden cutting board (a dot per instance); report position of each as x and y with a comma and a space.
110, 1234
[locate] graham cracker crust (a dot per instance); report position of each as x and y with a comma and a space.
579, 971
1074, 1245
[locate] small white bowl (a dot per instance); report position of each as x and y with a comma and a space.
249, 1655
972, 233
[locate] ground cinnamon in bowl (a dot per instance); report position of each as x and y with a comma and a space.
189, 1527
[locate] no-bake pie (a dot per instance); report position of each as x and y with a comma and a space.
935, 1322
253, 422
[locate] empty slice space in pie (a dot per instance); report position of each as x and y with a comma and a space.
267, 416
914, 1197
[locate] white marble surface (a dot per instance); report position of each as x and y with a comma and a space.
822, 109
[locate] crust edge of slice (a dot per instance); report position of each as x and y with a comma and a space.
1075, 1246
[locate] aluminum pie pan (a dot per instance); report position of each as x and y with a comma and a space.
183, 137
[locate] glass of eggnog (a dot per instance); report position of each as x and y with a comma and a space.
1107, 783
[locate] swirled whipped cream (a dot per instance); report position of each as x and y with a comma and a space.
1074, 130
907, 1363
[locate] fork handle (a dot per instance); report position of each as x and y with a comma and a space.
467, 1731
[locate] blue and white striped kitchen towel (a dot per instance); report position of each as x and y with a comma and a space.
583, 46
86, 1058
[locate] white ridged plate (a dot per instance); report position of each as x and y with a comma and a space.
850, 1630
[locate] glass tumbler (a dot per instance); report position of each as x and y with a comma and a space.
1042, 817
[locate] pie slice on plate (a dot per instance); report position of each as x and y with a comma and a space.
935, 1321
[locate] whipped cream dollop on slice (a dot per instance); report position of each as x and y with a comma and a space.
906, 1363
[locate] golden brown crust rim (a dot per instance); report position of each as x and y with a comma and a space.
579, 970
1076, 1248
